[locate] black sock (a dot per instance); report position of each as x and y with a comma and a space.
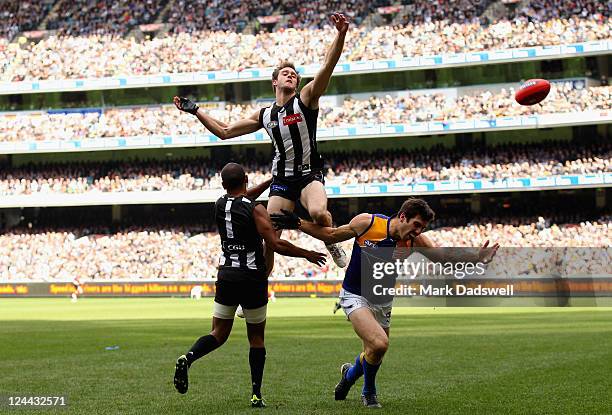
202, 347
257, 360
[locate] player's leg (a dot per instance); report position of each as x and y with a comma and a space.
221, 329
314, 200
255, 305
375, 344
257, 357
371, 323
275, 204
226, 302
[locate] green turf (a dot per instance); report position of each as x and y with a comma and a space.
441, 361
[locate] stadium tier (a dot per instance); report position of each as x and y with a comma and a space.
190, 252
400, 113
91, 79
439, 169
417, 41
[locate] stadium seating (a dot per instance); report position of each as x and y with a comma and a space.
185, 254
166, 120
437, 163
196, 15
104, 52
84, 17
21, 15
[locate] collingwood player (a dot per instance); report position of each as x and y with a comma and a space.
291, 123
242, 278
371, 321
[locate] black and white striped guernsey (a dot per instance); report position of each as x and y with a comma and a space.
241, 244
293, 130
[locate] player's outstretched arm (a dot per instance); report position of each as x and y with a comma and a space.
273, 242
219, 128
316, 88
327, 234
256, 191
484, 254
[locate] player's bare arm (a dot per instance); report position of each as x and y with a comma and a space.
220, 129
283, 247
485, 254
327, 234
256, 191
316, 88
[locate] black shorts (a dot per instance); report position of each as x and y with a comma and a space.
290, 188
249, 294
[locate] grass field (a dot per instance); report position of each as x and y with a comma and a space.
441, 361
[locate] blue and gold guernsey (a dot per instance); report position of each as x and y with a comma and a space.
376, 235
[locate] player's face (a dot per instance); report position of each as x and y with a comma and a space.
287, 79
411, 228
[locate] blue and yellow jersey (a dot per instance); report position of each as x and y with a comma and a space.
376, 235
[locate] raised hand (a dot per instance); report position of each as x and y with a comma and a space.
186, 105
340, 21
486, 254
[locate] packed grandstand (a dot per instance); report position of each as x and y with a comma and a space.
91, 123
90, 41
75, 39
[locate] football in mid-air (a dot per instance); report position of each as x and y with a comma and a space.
532, 91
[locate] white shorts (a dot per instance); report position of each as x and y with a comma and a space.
252, 315
351, 302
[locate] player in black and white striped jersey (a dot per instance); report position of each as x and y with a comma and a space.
291, 123
242, 278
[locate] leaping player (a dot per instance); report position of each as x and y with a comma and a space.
291, 123
371, 321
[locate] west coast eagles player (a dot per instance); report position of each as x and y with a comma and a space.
371, 321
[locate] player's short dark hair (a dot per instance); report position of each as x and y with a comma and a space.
413, 207
280, 67
232, 176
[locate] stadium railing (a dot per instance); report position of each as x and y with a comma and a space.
339, 191
348, 68
323, 134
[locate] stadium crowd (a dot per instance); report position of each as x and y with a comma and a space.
459, 11
197, 15
84, 17
190, 254
315, 15
398, 165
416, 107
100, 51
21, 15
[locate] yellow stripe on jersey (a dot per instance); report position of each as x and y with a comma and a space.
376, 232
